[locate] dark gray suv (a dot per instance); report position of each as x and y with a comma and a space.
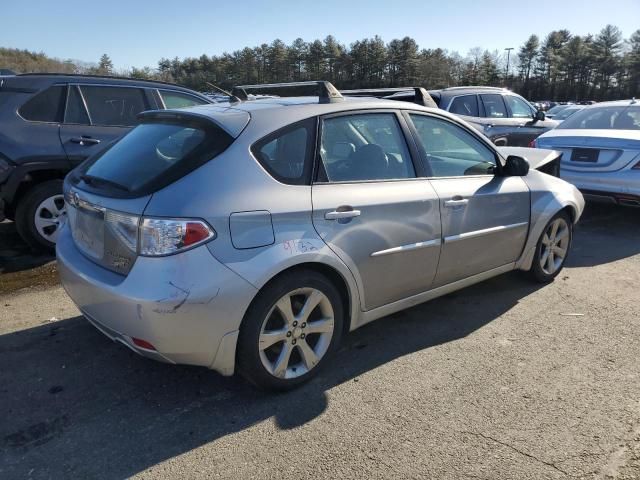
50, 124
503, 116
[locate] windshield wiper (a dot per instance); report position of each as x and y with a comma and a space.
91, 180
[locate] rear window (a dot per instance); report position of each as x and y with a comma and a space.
152, 155
46, 106
604, 118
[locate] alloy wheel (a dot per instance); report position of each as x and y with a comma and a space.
50, 216
555, 244
296, 333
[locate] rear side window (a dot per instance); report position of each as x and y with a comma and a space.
364, 147
494, 106
287, 153
179, 100
152, 155
114, 106
46, 106
465, 105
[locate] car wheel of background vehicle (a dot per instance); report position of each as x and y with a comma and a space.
41, 214
290, 330
552, 248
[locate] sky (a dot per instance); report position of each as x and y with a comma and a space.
138, 33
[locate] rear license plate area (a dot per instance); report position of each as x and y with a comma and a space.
588, 155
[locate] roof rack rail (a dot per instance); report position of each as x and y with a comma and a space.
88, 75
420, 95
478, 87
327, 92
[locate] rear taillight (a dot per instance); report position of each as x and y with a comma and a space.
533, 143
165, 236
636, 166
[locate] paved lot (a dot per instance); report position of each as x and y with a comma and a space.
504, 380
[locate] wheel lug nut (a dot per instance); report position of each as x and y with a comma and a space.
288, 334
304, 325
302, 336
293, 341
295, 324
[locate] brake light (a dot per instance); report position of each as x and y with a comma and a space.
165, 236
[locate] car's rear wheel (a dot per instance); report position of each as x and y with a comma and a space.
41, 214
552, 248
290, 331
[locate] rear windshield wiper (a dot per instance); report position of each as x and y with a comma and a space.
91, 180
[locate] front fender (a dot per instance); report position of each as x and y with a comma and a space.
549, 195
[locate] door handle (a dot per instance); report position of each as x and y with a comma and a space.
456, 203
84, 140
338, 215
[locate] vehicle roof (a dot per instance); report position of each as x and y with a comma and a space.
615, 103
304, 106
270, 114
471, 88
41, 80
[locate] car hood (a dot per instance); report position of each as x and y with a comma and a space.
537, 157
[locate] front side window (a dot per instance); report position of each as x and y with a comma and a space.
493, 106
114, 106
451, 151
46, 106
519, 108
465, 105
604, 118
179, 100
364, 147
286, 154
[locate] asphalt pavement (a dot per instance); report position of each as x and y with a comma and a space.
507, 379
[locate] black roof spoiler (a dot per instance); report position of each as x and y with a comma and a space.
327, 93
420, 95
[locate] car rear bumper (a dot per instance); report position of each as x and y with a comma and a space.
187, 306
621, 187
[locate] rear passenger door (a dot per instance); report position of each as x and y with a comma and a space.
96, 115
372, 208
485, 217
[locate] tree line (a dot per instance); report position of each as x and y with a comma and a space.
562, 66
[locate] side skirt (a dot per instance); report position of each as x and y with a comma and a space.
383, 311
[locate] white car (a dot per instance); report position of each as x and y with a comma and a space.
601, 151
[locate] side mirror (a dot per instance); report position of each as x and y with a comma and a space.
539, 116
516, 166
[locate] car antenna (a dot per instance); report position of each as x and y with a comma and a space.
232, 98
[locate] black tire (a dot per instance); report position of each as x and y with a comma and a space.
248, 356
536, 271
26, 213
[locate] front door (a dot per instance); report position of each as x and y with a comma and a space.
97, 115
485, 218
371, 208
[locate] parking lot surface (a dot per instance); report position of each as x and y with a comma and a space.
504, 380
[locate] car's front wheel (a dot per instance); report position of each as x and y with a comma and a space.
290, 331
41, 214
552, 248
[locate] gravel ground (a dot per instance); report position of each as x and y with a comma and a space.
503, 380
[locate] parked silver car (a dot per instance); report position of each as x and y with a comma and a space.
251, 236
601, 151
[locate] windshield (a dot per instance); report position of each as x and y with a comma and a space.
153, 155
618, 117
566, 113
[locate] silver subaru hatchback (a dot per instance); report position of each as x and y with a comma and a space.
250, 236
